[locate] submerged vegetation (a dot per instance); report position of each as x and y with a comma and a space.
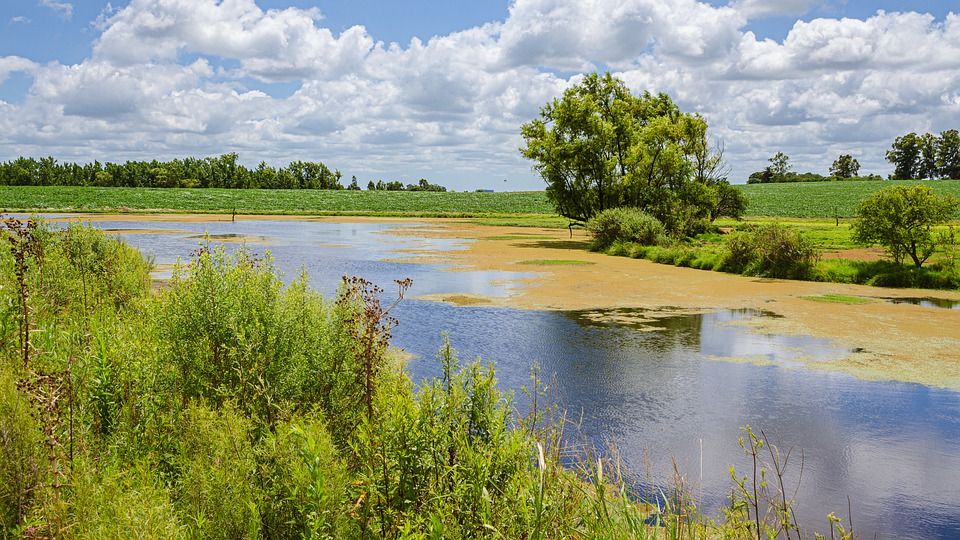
227, 405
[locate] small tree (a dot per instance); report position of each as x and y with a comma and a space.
846, 166
901, 219
779, 166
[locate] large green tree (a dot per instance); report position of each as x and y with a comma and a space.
599, 146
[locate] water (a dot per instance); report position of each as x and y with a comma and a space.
929, 302
659, 387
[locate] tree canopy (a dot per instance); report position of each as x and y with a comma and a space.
599, 146
925, 156
215, 172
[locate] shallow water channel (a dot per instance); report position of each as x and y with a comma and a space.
659, 386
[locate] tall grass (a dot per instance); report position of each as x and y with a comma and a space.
229, 406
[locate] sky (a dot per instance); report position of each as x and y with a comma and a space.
400, 90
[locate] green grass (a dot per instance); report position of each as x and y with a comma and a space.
823, 199
555, 262
839, 299
506, 205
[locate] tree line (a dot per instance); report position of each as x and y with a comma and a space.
845, 167
211, 172
396, 185
926, 156
914, 157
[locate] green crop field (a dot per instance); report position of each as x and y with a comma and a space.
794, 200
823, 199
271, 201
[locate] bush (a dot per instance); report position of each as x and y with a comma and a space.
305, 484
901, 219
111, 504
235, 333
217, 491
626, 224
741, 251
770, 251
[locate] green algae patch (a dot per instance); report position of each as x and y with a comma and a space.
839, 299
555, 262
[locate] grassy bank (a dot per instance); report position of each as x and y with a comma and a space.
708, 252
228, 405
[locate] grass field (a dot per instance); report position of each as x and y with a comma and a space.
823, 199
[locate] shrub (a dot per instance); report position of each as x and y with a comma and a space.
112, 504
740, 251
217, 490
770, 251
626, 224
234, 333
304, 483
901, 219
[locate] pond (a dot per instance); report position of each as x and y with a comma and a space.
659, 386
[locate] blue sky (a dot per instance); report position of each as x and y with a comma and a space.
291, 79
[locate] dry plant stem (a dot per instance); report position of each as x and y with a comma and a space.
24, 245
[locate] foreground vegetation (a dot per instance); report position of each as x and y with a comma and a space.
226, 405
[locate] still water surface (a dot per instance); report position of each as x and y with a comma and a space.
679, 392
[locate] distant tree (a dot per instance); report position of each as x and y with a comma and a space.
845, 166
905, 156
779, 166
393, 185
103, 179
354, 186
901, 219
425, 185
371, 186
948, 154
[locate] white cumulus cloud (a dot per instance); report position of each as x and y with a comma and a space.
180, 77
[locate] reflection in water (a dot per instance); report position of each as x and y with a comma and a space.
893, 448
930, 302
645, 382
